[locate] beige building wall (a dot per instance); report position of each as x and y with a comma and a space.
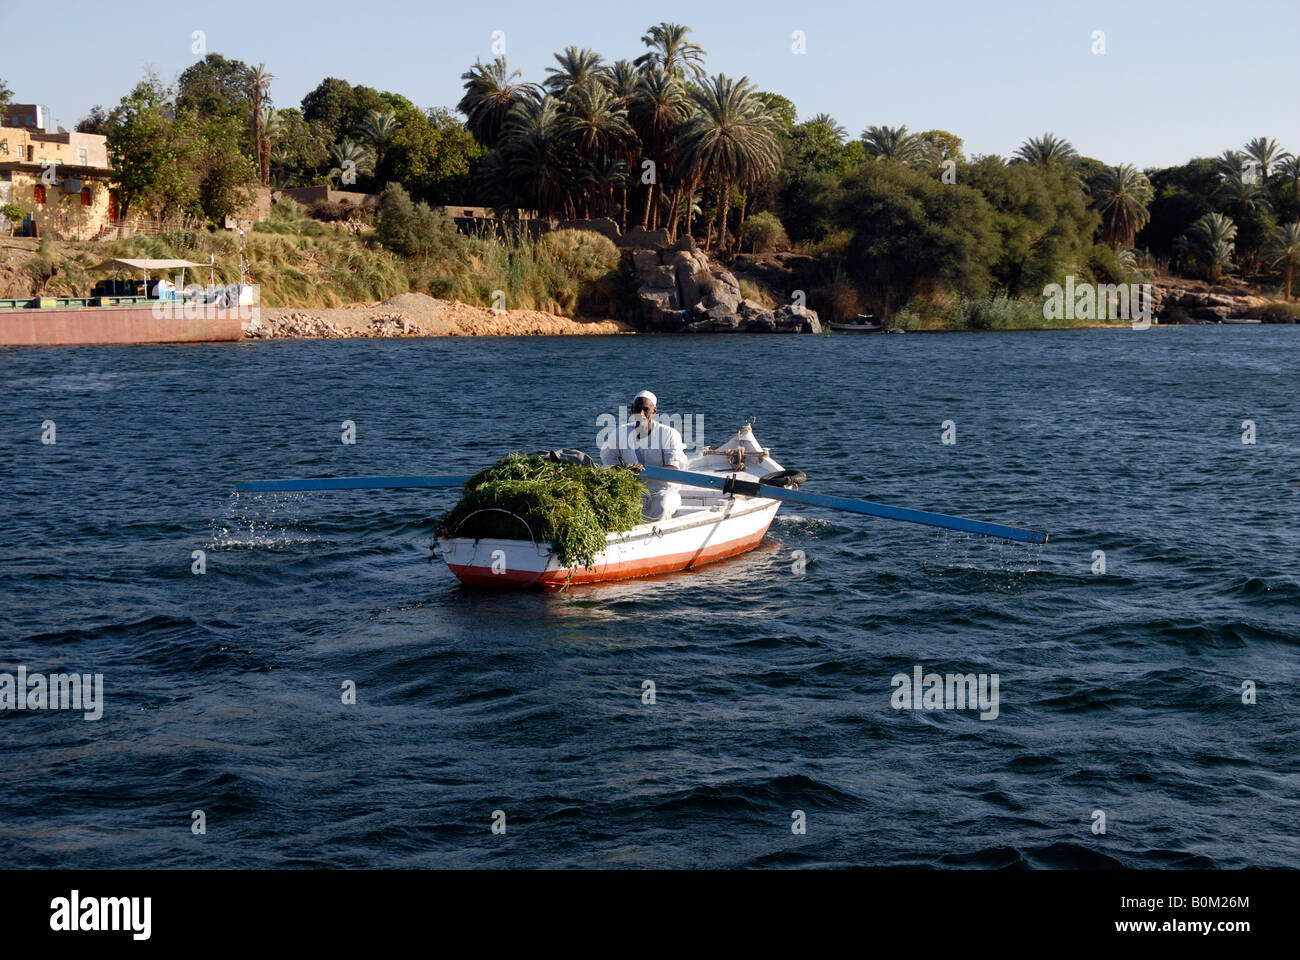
24, 153
62, 214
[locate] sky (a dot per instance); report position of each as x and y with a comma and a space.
1177, 78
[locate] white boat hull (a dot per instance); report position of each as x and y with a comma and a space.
707, 528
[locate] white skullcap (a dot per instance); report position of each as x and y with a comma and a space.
647, 395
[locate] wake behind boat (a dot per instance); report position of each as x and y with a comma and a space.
708, 526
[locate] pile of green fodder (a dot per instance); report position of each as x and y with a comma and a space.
571, 506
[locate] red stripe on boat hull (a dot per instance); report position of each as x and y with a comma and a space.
627, 570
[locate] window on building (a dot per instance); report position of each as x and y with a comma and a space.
81, 158
38, 193
85, 196
4, 148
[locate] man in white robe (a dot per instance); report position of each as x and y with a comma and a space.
654, 444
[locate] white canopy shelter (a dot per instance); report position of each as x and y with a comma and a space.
146, 265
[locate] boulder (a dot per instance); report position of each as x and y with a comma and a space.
660, 278
645, 260
638, 237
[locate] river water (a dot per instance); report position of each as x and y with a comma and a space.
1157, 698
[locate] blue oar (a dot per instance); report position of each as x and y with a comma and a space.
347, 483
724, 484
751, 489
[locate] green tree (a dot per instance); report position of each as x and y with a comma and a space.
672, 51
1211, 243
1043, 220
1121, 194
1284, 252
656, 112
1266, 153
940, 145
1047, 150
142, 149
215, 85
259, 82
298, 150
226, 177
350, 160
433, 157
826, 120
331, 104
378, 130
491, 92
730, 139
577, 68
415, 230
96, 121
910, 233
893, 143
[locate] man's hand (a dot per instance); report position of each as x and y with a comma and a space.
634, 466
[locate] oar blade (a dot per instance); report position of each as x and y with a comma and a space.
865, 507
347, 483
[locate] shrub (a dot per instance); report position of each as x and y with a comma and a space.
415, 229
1280, 313
1001, 312
587, 255
763, 231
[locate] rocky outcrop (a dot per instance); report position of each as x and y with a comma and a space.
680, 290
1190, 301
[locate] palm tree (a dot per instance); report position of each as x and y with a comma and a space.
270, 129
1289, 168
1049, 150
656, 112
1230, 162
596, 125
672, 51
536, 156
350, 158
1285, 252
731, 138
1266, 153
826, 120
378, 129
1121, 195
490, 94
1211, 238
1241, 193
259, 83
622, 78
576, 68
893, 143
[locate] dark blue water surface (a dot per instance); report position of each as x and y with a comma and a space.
1119, 692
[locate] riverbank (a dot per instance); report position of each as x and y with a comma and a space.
419, 315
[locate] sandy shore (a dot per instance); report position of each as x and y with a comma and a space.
418, 315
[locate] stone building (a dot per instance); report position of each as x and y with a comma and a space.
61, 179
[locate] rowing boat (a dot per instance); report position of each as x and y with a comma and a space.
710, 525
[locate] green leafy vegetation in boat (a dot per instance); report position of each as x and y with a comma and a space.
569, 505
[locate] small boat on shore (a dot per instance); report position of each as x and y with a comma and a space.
709, 526
863, 323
